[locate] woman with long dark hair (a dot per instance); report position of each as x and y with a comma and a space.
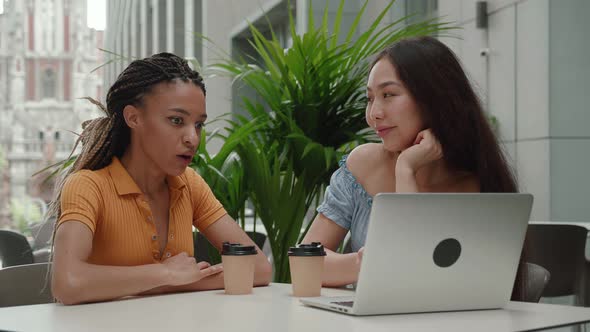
434, 138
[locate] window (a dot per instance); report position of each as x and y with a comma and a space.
162, 21
278, 17
179, 29
421, 10
48, 84
150, 31
198, 28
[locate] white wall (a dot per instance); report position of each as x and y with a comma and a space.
569, 116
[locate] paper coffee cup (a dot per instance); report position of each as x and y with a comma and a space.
238, 268
306, 262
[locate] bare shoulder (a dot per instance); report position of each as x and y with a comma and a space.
363, 159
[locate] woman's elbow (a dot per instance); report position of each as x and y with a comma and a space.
65, 288
264, 272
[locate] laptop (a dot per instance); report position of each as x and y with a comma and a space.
432, 252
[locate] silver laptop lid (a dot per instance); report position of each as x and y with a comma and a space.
439, 252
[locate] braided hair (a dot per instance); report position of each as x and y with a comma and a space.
109, 136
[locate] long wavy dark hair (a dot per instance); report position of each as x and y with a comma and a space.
452, 110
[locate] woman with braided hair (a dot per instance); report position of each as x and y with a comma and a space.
127, 206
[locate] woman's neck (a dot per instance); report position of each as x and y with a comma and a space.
429, 176
149, 178
434, 174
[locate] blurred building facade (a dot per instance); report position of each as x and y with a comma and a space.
528, 63
47, 54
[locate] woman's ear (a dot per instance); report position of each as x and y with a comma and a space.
131, 116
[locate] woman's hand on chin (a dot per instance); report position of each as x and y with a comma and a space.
426, 149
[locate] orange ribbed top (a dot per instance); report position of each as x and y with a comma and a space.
111, 204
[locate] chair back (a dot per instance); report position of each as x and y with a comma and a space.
14, 249
24, 285
537, 279
258, 238
561, 250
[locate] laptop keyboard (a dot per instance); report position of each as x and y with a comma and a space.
344, 303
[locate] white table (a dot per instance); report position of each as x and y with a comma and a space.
270, 308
